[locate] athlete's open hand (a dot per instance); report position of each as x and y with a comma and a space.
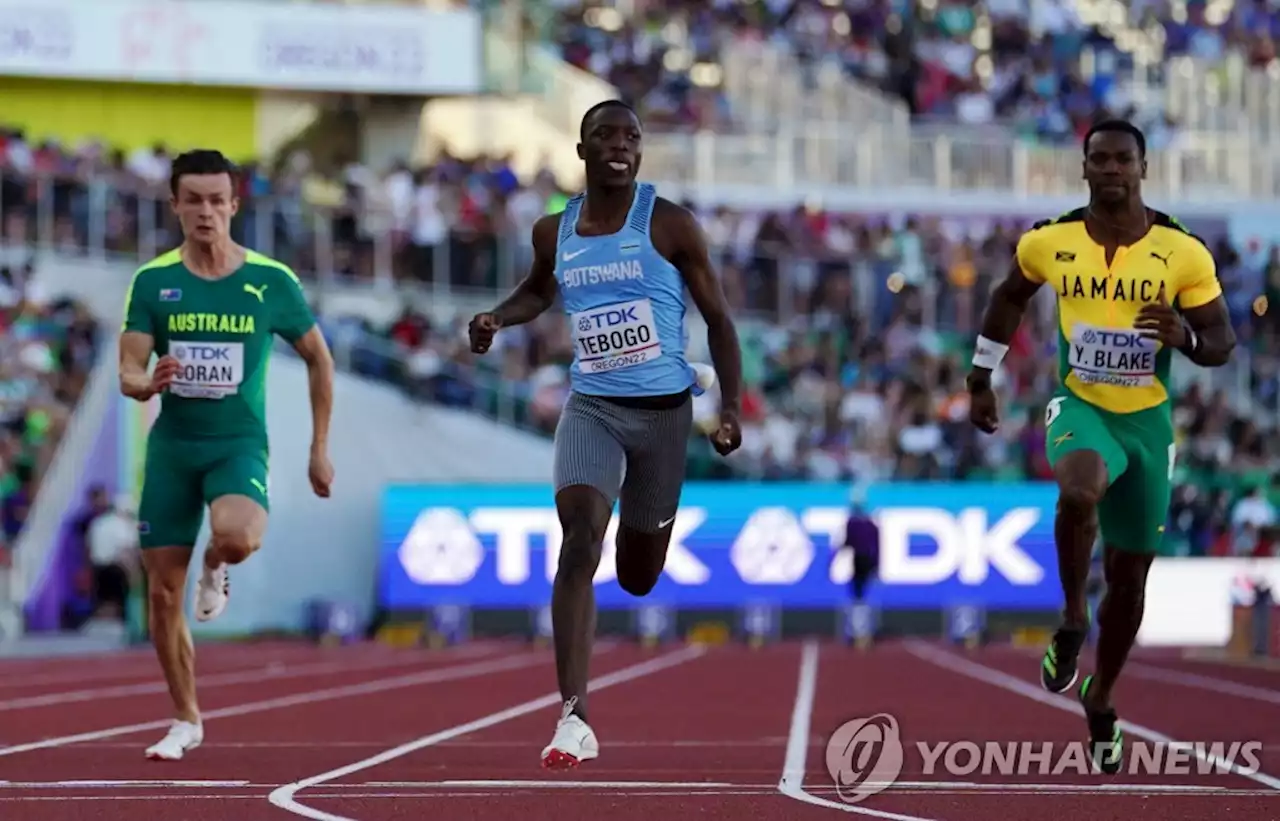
165, 371
320, 472
482, 329
1159, 321
728, 436
984, 409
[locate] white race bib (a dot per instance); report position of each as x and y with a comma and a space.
614, 337
1112, 356
209, 370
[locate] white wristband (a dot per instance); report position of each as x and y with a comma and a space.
988, 353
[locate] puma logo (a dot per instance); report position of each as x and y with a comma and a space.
249, 289
1164, 259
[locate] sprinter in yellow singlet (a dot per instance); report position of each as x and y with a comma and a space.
1133, 285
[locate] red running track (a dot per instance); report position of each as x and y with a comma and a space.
372, 734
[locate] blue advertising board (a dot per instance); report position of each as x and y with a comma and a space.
497, 546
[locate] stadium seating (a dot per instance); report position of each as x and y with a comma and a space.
1044, 70
47, 348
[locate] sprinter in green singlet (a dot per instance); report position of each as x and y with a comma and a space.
209, 310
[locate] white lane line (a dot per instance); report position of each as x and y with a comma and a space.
1197, 681
260, 674
220, 659
798, 741
1005, 681
283, 797
101, 784
440, 674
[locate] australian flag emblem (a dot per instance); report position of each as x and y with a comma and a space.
170, 294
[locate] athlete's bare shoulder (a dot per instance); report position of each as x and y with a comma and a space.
676, 231
672, 214
546, 234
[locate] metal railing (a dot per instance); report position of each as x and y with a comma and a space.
827, 162
769, 88
1227, 96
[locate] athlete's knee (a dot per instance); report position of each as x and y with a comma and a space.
580, 551
164, 593
641, 557
637, 582
1082, 481
584, 515
235, 543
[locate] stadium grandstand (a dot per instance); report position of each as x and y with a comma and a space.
862, 170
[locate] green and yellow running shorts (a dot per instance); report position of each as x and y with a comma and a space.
181, 476
1139, 452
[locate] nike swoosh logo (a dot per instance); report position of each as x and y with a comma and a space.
568, 256
667, 522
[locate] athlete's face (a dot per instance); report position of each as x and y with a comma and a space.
611, 149
1113, 166
204, 205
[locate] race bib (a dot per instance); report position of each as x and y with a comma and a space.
209, 370
615, 337
1112, 356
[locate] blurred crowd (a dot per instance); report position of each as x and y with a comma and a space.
47, 349
1045, 67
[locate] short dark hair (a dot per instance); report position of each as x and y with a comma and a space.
601, 106
200, 161
1120, 127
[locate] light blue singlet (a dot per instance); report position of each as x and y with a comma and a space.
626, 307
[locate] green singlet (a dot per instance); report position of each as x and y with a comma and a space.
210, 439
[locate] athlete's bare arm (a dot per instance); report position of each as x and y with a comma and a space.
687, 251
1203, 333
135, 355
1004, 313
537, 291
534, 295
314, 351
1215, 338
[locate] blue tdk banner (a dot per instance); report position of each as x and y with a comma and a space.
940, 545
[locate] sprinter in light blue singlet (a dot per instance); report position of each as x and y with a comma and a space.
626, 307
621, 258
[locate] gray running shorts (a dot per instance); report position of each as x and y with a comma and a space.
597, 441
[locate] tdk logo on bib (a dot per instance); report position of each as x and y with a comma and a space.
201, 353
608, 318
1114, 339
